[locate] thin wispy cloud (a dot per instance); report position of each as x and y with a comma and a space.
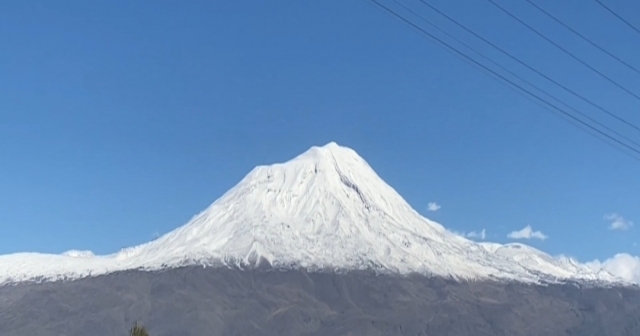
433, 206
478, 235
473, 234
527, 233
617, 222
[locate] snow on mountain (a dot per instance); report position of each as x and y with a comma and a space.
539, 262
326, 209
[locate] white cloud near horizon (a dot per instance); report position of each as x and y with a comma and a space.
433, 206
527, 233
618, 222
622, 265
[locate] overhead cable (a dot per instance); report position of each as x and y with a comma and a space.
564, 50
628, 149
618, 16
513, 57
583, 37
546, 93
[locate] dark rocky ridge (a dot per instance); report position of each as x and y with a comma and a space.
221, 301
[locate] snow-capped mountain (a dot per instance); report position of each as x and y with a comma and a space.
327, 209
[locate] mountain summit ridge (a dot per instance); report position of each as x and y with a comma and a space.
326, 208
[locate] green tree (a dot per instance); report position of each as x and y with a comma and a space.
138, 330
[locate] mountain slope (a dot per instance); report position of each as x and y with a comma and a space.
192, 301
324, 209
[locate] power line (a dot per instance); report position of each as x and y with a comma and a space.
618, 16
522, 90
508, 54
517, 76
563, 49
582, 36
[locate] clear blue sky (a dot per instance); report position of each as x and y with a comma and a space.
120, 120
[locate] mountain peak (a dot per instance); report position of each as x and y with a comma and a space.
331, 152
326, 208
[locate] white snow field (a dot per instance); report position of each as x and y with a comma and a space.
326, 209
